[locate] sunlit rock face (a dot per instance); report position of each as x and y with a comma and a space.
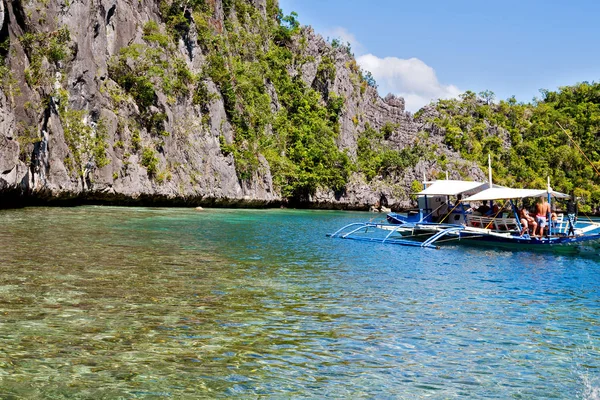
70, 132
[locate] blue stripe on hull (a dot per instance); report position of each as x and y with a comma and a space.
559, 244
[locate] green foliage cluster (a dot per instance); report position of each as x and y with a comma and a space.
100, 145
87, 144
131, 75
525, 140
143, 69
52, 46
27, 135
136, 140
288, 26
202, 96
150, 160
368, 77
326, 70
415, 187
4, 47
153, 34
360, 77
377, 158
176, 14
8, 83
337, 43
306, 133
248, 61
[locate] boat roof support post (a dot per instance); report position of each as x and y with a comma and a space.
549, 216
490, 169
515, 211
426, 206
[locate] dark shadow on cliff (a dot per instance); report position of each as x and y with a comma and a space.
4, 36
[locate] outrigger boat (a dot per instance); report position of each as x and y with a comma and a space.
459, 226
439, 222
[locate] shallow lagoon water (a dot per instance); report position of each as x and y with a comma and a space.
108, 302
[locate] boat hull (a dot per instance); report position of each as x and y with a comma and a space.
490, 239
561, 244
434, 235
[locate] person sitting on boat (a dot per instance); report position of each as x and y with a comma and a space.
554, 217
495, 210
527, 221
465, 208
483, 209
554, 220
542, 210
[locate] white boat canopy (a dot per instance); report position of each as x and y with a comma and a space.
452, 188
510, 193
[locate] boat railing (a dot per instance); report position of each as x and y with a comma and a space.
559, 225
497, 224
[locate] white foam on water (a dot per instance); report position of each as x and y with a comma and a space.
584, 358
591, 388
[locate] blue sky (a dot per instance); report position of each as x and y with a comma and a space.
427, 50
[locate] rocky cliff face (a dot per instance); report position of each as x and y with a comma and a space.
75, 127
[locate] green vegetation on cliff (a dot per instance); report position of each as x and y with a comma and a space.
277, 122
376, 157
525, 140
256, 65
274, 114
51, 46
197, 53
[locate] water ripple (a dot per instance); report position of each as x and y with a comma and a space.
105, 302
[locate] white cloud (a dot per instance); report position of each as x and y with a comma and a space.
345, 37
410, 78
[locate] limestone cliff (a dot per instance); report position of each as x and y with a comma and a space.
110, 101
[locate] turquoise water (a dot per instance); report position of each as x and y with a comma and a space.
106, 302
